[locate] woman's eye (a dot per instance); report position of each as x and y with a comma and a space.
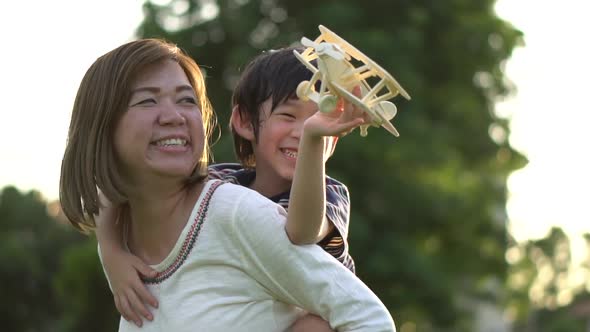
189, 100
145, 102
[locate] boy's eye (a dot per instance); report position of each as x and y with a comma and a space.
286, 115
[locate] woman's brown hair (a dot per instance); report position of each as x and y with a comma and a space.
89, 161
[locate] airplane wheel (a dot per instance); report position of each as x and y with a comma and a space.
303, 90
364, 130
328, 104
387, 110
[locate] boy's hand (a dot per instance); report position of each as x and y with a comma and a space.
342, 120
129, 292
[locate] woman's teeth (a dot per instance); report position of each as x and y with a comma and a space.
171, 141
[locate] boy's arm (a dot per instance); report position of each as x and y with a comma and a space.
108, 232
307, 222
122, 268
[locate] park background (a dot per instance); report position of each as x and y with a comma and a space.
474, 219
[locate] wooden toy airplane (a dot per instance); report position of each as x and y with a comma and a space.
338, 76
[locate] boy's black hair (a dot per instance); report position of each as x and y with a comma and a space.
273, 74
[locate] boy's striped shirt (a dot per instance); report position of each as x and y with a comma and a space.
337, 207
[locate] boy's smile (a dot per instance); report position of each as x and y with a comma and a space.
277, 145
290, 153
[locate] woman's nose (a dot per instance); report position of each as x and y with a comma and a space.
170, 115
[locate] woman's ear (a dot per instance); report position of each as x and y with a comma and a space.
241, 124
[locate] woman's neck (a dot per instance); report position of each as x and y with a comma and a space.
158, 218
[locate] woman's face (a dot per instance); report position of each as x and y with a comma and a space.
161, 133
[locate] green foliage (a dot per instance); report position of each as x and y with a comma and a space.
563, 319
37, 254
537, 279
84, 292
30, 246
428, 209
560, 321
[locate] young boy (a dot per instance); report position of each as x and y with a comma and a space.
268, 124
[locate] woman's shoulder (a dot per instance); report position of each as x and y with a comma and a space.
234, 194
242, 201
230, 189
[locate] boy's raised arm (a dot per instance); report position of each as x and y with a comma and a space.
307, 222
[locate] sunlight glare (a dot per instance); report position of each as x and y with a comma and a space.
48, 58
549, 116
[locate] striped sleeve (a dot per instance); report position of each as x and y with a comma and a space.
338, 212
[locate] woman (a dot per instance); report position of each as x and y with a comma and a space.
139, 132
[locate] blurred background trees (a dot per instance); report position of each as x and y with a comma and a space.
428, 226
51, 278
428, 217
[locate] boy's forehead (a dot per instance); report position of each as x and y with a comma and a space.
297, 104
293, 101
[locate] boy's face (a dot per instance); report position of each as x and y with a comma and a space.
278, 140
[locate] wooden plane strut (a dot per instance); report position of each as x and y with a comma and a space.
338, 76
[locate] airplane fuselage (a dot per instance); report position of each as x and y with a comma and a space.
340, 71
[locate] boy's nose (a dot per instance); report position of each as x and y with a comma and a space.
297, 129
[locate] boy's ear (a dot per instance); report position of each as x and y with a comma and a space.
241, 124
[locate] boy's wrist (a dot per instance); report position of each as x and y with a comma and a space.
310, 132
309, 137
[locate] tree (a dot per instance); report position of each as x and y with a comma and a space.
50, 277
428, 210
83, 291
543, 296
30, 246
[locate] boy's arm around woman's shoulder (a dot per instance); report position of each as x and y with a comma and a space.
302, 275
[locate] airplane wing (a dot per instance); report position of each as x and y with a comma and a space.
372, 68
378, 119
306, 58
374, 98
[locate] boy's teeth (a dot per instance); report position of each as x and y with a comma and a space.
171, 141
290, 153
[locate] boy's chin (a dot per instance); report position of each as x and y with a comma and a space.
287, 176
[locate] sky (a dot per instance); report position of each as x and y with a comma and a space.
48, 45
549, 117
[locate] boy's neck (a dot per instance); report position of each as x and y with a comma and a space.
269, 187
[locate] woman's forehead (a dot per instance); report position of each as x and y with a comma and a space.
164, 72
